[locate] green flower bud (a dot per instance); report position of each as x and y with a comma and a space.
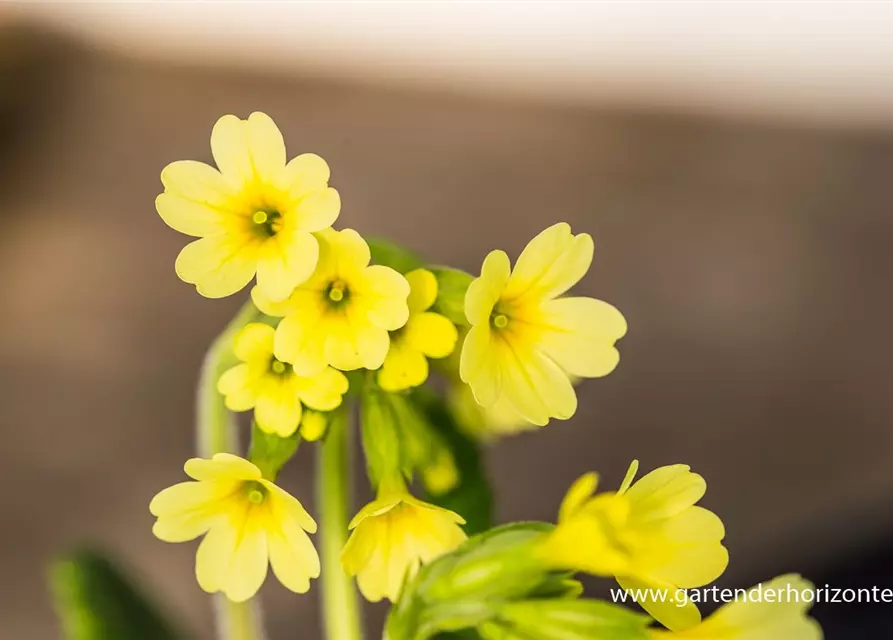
270, 452
451, 287
381, 442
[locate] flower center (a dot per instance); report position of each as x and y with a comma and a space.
500, 320
337, 292
266, 222
255, 492
278, 367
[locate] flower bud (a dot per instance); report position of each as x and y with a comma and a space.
451, 287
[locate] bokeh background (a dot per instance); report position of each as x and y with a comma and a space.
734, 164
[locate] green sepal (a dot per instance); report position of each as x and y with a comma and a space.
270, 452
379, 432
472, 497
451, 287
96, 601
563, 619
394, 256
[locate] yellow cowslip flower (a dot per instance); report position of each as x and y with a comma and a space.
751, 619
525, 341
254, 214
272, 388
248, 523
425, 335
341, 315
393, 536
649, 536
485, 423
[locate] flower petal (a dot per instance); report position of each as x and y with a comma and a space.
293, 558
286, 507
479, 365
551, 263
240, 386
278, 408
215, 555
302, 175
218, 265
422, 290
323, 392
665, 492
580, 335
432, 334
485, 291
581, 491
249, 561
537, 387
669, 613
223, 466
383, 296
317, 210
248, 151
254, 342
300, 339
285, 261
404, 367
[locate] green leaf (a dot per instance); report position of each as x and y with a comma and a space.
472, 498
270, 452
393, 256
96, 601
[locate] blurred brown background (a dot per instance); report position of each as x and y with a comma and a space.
752, 258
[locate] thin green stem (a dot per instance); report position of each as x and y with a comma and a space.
341, 611
216, 432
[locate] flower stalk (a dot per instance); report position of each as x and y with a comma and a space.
341, 613
216, 432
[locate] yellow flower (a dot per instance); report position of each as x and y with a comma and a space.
248, 521
486, 423
272, 387
341, 315
649, 535
254, 213
393, 536
525, 341
756, 619
425, 335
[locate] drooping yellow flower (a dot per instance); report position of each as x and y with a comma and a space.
341, 315
248, 523
393, 536
525, 341
425, 335
272, 388
649, 535
254, 214
756, 619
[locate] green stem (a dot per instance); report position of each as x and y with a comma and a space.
216, 432
341, 611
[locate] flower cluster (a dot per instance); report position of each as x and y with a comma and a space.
333, 320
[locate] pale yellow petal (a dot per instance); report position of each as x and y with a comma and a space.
432, 334
318, 210
223, 466
384, 294
404, 367
422, 290
285, 261
194, 218
665, 492
248, 151
345, 250
199, 183
631, 473
218, 265
579, 334
254, 342
683, 565
183, 527
323, 392
249, 562
215, 556
671, 614
293, 558
187, 496
479, 364
286, 507
238, 387
300, 339
537, 387
485, 291
582, 489
303, 174
278, 408
550, 264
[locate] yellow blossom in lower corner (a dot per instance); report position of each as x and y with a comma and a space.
272, 387
785, 618
526, 342
649, 535
248, 523
393, 536
341, 316
425, 335
253, 214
